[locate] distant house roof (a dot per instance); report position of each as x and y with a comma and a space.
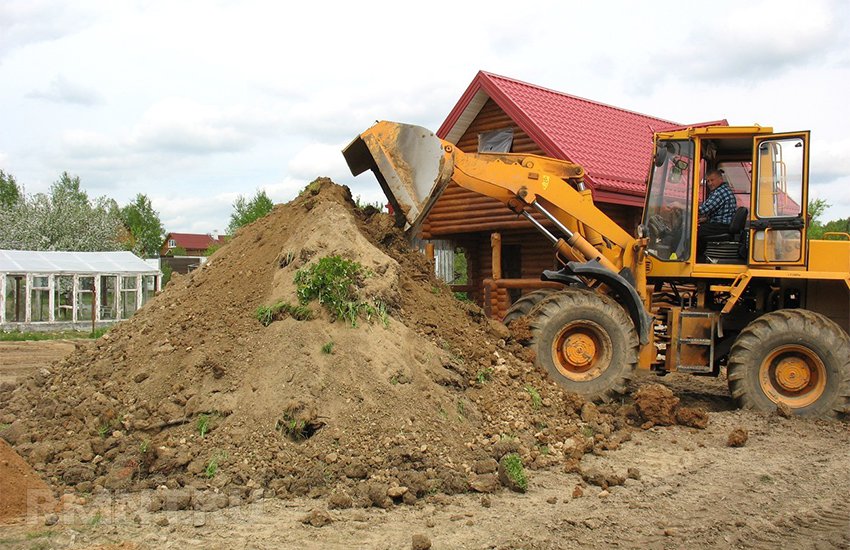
31, 261
194, 241
612, 144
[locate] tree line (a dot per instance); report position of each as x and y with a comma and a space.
66, 218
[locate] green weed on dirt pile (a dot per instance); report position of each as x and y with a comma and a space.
268, 314
512, 464
333, 281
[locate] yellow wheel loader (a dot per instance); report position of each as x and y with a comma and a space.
761, 300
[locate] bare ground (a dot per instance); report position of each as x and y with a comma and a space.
788, 486
18, 359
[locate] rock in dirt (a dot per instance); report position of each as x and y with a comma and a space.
692, 417
485, 483
737, 438
783, 410
420, 542
656, 405
317, 518
340, 500
602, 478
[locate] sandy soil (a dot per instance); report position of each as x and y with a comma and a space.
788, 486
18, 359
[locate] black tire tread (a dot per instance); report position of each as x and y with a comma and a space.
526, 303
545, 310
745, 354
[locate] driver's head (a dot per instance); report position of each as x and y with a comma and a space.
714, 178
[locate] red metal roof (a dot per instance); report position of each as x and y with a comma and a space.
614, 145
193, 241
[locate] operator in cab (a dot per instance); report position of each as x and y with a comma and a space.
717, 210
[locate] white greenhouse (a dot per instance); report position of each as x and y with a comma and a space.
72, 290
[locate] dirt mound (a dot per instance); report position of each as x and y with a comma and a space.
194, 392
22, 493
656, 405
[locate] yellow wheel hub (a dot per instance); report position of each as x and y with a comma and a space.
579, 349
792, 374
582, 350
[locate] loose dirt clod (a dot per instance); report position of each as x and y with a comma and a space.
737, 438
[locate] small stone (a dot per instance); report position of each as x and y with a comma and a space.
430, 523
783, 410
140, 377
633, 473
340, 500
161, 521
51, 519
396, 492
603, 493
737, 438
578, 492
317, 518
485, 483
420, 542
592, 523
331, 458
485, 501
669, 532
552, 500
199, 520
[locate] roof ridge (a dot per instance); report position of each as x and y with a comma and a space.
493, 76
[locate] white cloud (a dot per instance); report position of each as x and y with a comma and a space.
197, 102
62, 90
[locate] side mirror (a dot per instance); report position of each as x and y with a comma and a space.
661, 154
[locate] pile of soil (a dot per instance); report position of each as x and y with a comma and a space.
194, 392
22, 493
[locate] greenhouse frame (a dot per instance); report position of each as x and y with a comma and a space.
41, 291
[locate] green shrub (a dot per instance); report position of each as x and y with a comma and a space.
269, 314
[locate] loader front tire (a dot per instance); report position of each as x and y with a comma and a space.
586, 342
526, 303
794, 357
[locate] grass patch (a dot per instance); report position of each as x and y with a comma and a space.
204, 423
18, 336
334, 281
328, 348
266, 315
536, 400
512, 463
484, 375
44, 534
461, 409
212, 466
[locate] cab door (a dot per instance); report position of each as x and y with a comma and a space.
779, 200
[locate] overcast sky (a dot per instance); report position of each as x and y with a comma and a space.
196, 102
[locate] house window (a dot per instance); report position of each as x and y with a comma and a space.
40, 300
85, 297
15, 298
63, 298
128, 296
108, 297
496, 141
148, 287
172, 243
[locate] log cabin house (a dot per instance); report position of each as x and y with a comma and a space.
505, 254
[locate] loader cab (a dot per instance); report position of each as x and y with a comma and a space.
767, 174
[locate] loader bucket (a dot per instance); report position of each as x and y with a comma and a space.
409, 163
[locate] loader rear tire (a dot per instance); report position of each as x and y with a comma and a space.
794, 357
586, 342
526, 303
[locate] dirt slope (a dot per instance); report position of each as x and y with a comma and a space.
426, 402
